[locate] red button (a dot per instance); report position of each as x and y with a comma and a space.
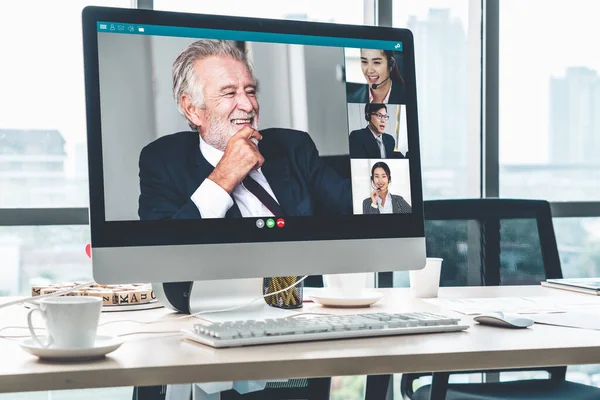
280, 223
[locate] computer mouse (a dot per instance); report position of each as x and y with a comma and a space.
504, 320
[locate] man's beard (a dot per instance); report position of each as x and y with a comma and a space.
220, 129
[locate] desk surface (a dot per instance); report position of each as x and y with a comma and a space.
150, 359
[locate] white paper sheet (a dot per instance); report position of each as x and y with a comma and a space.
519, 305
569, 319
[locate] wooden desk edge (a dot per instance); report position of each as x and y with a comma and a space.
294, 368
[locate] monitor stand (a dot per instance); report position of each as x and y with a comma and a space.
205, 296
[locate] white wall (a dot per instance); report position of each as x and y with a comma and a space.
300, 88
167, 116
361, 180
353, 68
127, 118
402, 137
326, 99
270, 63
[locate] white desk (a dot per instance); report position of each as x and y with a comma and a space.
147, 360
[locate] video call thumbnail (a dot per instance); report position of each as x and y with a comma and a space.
271, 118
374, 76
377, 131
381, 186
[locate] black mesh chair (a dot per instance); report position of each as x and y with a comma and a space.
491, 242
297, 389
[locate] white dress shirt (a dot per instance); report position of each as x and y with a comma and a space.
384, 209
387, 96
213, 201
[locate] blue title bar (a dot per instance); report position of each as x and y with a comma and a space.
160, 30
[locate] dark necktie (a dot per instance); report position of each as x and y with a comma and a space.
381, 147
262, 195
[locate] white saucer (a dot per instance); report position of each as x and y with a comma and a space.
131, 307
103, 346
122, 307
333, 299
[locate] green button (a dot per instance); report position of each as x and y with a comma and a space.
270, 223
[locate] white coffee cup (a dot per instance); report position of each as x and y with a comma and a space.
346, 285
71, 321
425, 283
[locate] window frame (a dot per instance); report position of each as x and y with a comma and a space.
382, 16
490, 135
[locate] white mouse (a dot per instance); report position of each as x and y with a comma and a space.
504, 320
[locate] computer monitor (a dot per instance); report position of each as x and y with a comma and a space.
229, 148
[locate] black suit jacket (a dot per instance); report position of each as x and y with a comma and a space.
360, 94
364, 145
172, 168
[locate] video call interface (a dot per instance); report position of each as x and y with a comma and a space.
203, 128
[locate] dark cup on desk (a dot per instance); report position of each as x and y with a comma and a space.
291, 298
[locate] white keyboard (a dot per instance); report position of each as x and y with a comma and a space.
320, 327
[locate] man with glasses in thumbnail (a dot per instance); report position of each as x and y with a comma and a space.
372, 141
225, 167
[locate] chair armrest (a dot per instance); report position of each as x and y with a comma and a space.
439, 385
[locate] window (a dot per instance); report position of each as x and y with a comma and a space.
43, 159
549, 100
549, 122
447, 54
39, 255
578, 241
339, 11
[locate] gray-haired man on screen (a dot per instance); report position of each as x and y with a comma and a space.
225, 167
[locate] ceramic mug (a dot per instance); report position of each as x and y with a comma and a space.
425, 283
346, 285
71, 322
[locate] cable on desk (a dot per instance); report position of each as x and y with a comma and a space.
34, 299
195, 315
160, 320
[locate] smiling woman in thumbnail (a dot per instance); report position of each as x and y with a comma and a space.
384, 82
381, 200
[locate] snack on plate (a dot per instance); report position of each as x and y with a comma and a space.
127, 294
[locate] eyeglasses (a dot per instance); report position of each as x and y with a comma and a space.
381, 116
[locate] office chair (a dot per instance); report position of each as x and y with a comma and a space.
297, 389
490, 242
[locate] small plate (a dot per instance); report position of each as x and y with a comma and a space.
122, 307
332, 299
131, 307
103, 346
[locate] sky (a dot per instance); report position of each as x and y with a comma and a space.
564, 34
41, 70
41, 73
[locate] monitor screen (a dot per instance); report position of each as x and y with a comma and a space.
214, 130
